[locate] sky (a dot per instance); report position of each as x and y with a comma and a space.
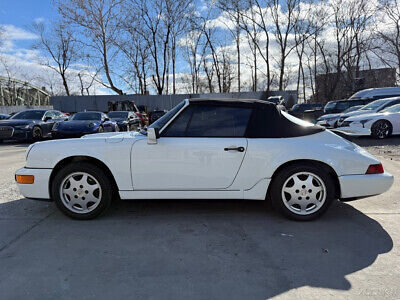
22, 13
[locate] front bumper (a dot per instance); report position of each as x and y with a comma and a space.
11, 133
40, 188
354, 130
327, 124
355, 186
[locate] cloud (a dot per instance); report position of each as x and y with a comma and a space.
11, 32
39, 20
25, 64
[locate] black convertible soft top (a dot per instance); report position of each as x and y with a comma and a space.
266, 120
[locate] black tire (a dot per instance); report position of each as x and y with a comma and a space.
101, 129
381, 129
277, 185
94, 171
37, 133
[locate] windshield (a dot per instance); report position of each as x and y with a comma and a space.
118, 115
330, 105
374, 105
29, 115
87, 116
392, 109
353, 108
160, 123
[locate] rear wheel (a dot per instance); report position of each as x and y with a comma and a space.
302, 192
381, 129
82, 191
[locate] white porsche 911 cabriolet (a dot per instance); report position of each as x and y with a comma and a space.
205, 149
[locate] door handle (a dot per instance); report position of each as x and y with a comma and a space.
239, 149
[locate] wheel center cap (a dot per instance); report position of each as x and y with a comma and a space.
303, 192
80, 193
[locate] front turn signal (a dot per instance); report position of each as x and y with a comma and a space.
25, 179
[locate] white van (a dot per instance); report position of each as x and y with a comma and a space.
377, 93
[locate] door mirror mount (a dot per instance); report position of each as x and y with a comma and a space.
152, 135
46, 119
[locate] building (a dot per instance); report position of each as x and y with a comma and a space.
333, 86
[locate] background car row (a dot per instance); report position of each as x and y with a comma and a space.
37, 124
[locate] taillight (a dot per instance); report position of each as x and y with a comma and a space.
375, 169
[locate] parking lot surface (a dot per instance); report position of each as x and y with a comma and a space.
199, 249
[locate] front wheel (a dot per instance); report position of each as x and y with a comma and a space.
82, 191
302, 192
381, 129
37, 133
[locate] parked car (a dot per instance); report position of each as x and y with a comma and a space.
330, 120
32, 124
83, 123
379, 125
155, 115
376, 93
373, 107
4, 116
276, 99
299, 109
126, 120
307, 111
339, 106
206, 148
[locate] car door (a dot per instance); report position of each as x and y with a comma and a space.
202, 149
107, 124
48, 124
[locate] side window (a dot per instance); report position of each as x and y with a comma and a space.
218, 121
179, 125
391, 103
49, 114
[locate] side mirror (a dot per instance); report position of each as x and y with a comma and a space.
106, 119
46, 119
152, 135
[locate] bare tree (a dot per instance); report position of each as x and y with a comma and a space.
387, 47
99, 21
60, 47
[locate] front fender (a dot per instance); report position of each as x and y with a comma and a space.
116, 156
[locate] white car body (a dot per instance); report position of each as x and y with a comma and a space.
199, 168
379, 105
361, 125
329, 120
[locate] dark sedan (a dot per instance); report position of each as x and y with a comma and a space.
32, 124
126, 120
83, 123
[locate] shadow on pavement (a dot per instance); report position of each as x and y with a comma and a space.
197, 249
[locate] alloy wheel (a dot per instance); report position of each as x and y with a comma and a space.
304, 193
80, 192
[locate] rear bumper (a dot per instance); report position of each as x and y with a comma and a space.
40, 188
355, 186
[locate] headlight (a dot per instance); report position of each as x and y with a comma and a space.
22, 126
92, 125
364, 121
